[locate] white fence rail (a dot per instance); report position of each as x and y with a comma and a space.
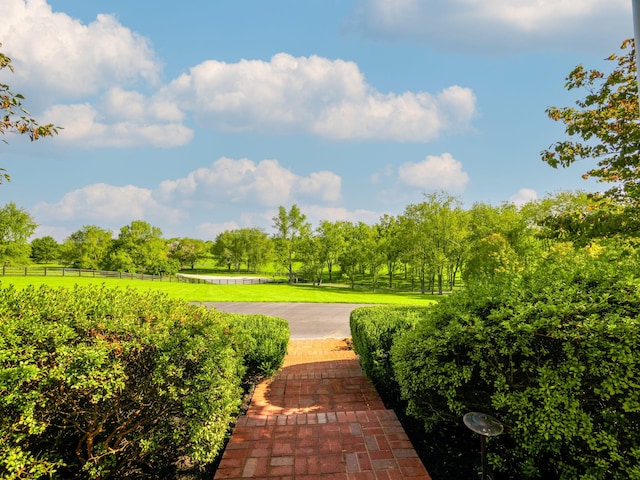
223, 280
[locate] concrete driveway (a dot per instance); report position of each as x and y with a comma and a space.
306, 320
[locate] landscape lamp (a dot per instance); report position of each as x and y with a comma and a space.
486, 426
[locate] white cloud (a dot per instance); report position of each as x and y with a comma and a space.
82, 69
131, 105
58, 59
60, 55
83, 125
244, 181
107, 204
524, 195
408, 117
435, 173
496, 25
312, 94
175, 201
326, 186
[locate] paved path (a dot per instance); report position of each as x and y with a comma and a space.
306, 320
319, 418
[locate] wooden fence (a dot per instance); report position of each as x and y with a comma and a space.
36, 271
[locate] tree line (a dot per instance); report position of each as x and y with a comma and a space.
429, 246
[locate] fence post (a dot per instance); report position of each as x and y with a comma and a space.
25, 271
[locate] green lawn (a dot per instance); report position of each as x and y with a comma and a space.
236, 293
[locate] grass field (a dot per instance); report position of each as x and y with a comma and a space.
237, 293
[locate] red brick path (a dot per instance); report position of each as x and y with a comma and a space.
319, 418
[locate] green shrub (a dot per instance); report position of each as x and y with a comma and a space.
262, 341
553, 356
373, 330
98, 383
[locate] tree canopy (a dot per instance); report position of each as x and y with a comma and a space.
16, 226
87, 247
605, 123
290, 228
45, 249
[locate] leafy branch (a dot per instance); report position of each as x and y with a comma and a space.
15, 118
606, 122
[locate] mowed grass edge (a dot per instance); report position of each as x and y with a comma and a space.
237, 293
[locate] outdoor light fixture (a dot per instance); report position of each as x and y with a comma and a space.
486, 426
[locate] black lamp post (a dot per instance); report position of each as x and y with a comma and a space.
486, 426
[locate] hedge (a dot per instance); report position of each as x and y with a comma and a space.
262, 341
107, 383
553, 355
373, 330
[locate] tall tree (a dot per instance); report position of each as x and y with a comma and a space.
332, 243
87, 248
506, 220
258, 248
353, 256
606, 125
312, 257
502, 239
457, 243
430, 229
374, 258
251, 246
392, 243
187, 251
16, 226
224, 251
15, 118
45, 249
290, 228
140, 248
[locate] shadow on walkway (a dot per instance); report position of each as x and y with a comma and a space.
319, 418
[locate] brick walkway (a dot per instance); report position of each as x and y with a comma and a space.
319, 418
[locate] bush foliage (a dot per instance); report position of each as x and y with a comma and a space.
107, 383
262, 341
553, 355
373, 330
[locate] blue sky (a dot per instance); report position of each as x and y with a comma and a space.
207, 116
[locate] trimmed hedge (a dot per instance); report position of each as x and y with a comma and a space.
373, 330
104, 383
262, 341
553, 356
